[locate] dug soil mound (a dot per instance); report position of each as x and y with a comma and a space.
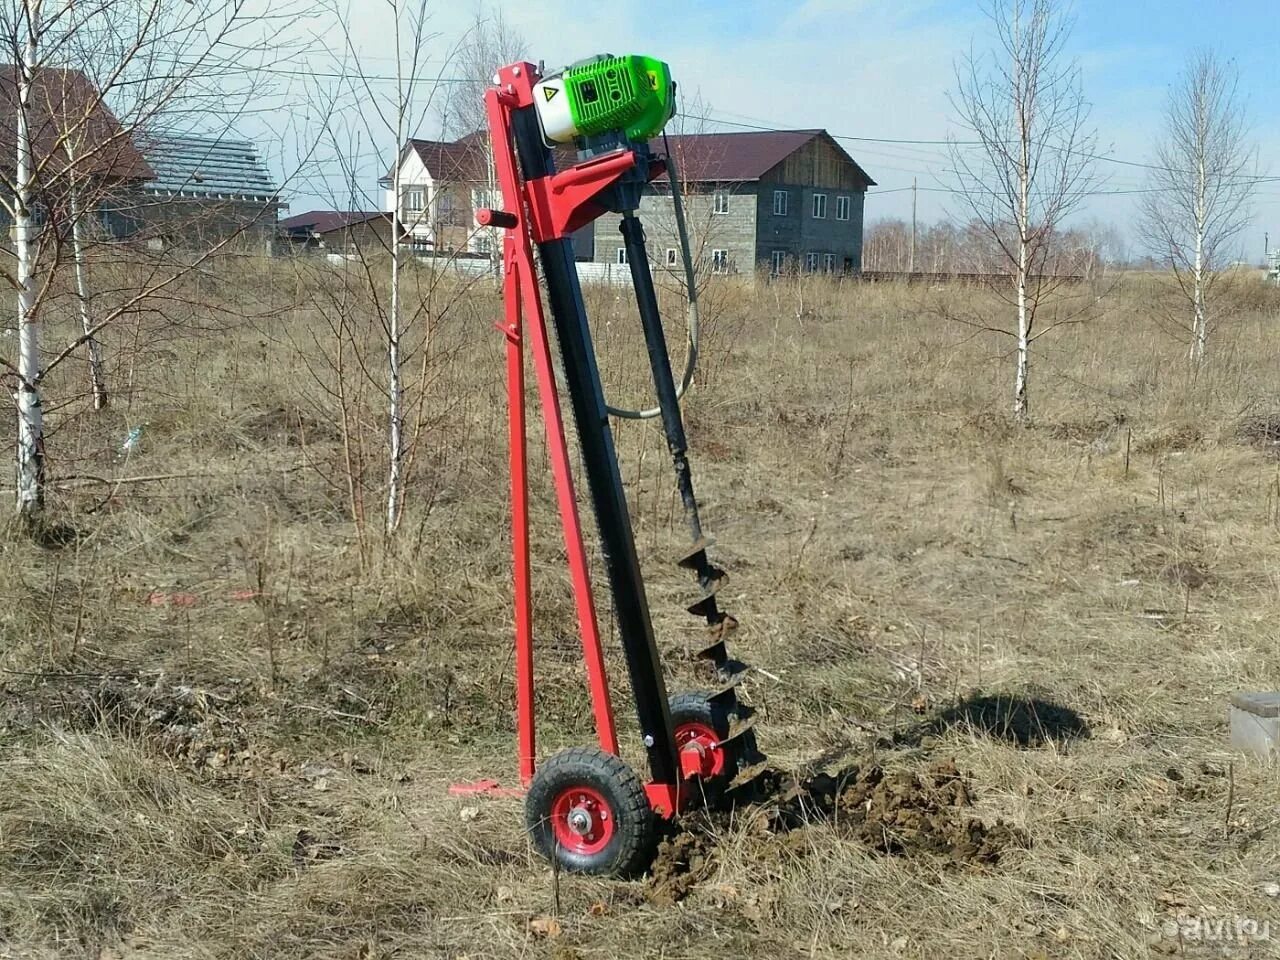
900, 813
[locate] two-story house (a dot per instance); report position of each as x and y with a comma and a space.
776, 200
442, 184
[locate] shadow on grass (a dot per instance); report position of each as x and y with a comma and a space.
1021, 719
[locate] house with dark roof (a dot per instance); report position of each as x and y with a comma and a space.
778, 200
771, 200
206, 192
338, 231
74, 137
442, 184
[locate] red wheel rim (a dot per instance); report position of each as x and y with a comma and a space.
702, 737
582, 820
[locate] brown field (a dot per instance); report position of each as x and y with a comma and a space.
229, 720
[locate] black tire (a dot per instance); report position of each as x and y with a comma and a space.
701, 709
629, 849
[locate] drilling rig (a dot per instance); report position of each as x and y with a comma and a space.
585, 807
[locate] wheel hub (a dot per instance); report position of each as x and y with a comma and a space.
701, 752
582, 820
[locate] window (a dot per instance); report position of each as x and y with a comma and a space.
483, 244
622, 255
781, 200
672, 256
811, 262
842, 208
819, 206
722, 202
779, 262
829, 263
480, 199
415, 199
719, 261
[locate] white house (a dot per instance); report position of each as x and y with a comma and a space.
442, 184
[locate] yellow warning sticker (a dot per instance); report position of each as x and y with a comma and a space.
550, 93
653, 79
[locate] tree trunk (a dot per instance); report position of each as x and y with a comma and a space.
97, 380
1025, 104
30, 447
1020, 406
1199, 318
395, 385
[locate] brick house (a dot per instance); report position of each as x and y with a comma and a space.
208, 191
774, 200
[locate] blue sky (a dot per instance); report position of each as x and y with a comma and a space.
884, 69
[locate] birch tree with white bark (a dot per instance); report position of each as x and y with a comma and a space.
394, 109
1029, 163
88, 83
1199, 187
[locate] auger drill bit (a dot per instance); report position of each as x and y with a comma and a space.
710, 578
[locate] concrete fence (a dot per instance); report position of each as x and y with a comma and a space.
607, 274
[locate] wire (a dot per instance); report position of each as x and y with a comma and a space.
691, 285
969, 143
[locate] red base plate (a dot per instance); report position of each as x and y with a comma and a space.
484, 788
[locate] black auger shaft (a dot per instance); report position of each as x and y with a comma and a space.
672, 423
709, 577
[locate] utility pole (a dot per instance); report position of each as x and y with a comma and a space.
911, 267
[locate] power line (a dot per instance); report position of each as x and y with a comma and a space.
963, 143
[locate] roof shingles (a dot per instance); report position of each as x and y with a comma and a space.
701, 157
743, 156
209, 167
67, 110
327, 221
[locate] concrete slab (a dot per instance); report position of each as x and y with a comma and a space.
1255, 724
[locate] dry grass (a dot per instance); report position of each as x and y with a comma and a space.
265, 777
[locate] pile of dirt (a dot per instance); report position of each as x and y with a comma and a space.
896, 813
684, 860
901, 813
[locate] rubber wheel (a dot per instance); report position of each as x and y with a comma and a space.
695, 717
588, 811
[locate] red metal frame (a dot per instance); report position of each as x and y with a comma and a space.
539, 210
524, 313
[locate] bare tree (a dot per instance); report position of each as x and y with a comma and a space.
490, 43
1199, 186
405, 312
70, 152
1031, 163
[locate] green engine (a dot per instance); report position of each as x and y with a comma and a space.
632, 96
